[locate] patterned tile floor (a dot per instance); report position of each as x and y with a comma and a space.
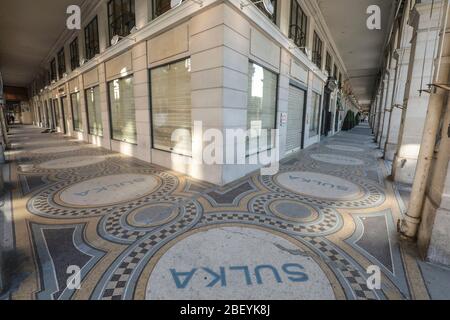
316, 230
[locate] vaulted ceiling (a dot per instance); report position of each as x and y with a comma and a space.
28, 30
360, 48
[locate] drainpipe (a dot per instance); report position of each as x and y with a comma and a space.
410, 224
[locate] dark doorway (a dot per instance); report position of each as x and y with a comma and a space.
63, 114
326, 114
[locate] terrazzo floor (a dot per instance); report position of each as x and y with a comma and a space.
137, 231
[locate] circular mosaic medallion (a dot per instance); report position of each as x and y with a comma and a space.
341, 147
56, 149
71, 162
319, 185
293, 211
337, 159
152, 215
225, 263
108, 190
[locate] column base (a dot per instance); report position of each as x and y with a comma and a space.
434, 237
389, 153
405, 169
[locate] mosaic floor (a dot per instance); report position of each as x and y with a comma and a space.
138, 231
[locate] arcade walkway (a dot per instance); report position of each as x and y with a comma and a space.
137, 231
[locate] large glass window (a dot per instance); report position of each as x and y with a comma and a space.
298, 26
123, 115
121, 18
317, 50
76, 111
74, 54
261, 110
171, 107
94, 113
91, 39
314, 115
61, 63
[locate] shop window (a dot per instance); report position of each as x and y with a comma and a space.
121, 17
76, 111
91, 39
261, 110
94, 113
74, 54
171, 107
298, 25
314, 115
122, 110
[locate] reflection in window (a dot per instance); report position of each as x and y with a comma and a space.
123, 114
94, 112
262, 100
121, 17
76, 111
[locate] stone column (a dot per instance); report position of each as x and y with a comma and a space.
434, 230
396, 115
382, 107
423, 51
387, 106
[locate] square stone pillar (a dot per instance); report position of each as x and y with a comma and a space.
387, 107
423, 52
403, 55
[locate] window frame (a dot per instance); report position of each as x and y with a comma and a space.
260, 6
74, 54
151, 106
111, 129
92, 45
316, 130
317, 51
300, 16
328, 63
276, 124
80, 124
53, 70
154, 11
61, 62
87, 111
114, 18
